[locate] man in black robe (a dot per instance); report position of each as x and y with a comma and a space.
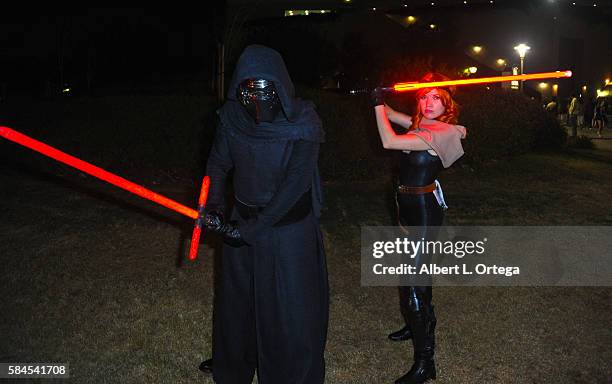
271, 307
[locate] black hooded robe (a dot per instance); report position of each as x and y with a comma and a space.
271, 307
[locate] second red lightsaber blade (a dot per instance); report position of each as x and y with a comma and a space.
403, 87
197, 227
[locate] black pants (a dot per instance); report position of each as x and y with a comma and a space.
423, 213
271, 308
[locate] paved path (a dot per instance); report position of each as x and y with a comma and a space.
603, 144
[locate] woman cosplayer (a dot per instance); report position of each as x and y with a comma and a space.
432, 142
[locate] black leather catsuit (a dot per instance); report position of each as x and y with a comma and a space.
423, 214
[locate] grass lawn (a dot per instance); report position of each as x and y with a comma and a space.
96, 278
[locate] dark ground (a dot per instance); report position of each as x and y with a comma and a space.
97, 278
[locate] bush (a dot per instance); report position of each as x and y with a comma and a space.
504, 124
352, 148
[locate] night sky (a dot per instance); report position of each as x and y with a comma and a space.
91, 48
104, 45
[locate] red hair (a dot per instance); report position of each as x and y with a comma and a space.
451, 108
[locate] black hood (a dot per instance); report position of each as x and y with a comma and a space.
299, 119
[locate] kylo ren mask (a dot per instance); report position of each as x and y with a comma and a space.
259, 98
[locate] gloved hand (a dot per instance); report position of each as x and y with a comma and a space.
377, 97
231, 233
213, 220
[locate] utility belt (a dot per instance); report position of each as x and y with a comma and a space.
299, 211
416, 190
434, 187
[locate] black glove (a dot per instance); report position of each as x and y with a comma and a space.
231, 233
213, 220
377, 97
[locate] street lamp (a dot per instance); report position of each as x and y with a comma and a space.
522, 50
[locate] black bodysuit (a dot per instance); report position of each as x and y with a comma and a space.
417, 169
423, 214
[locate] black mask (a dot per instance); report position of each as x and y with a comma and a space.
259, 98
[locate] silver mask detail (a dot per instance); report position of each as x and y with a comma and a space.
259, 98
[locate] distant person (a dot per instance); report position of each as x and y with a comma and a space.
580, 112
600, 119
562, 109
572, 111
552, 107
589, 111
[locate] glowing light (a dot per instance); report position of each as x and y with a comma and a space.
306, 12
501, 62
432, 26
374, 8
66, 90
472, 69
543, 85
411, 19
522, 49
118, 181
433, 3
405, 5
92, 170
603, 93
403, 87
477, 49
607, 81
347, 1
584, 88
594, 4
464, 1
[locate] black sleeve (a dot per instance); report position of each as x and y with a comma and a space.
298, 179
218, 165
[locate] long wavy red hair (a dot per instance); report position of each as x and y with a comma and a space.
451, 112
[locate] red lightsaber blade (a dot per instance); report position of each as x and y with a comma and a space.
28, 142
404, 87
197, 227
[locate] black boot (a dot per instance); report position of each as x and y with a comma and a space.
206, 366
401, 335
405, 333
422, 321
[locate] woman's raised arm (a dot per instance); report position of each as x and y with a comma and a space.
391, 140
396, 117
